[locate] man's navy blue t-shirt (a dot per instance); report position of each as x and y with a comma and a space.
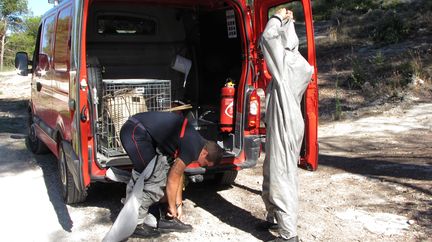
165, 129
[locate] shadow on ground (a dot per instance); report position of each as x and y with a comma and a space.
48, 164
413, 174
101, 195
205, 196
13, 116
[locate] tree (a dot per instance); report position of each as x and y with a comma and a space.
22, 40
31, 26
10, 11
17, 42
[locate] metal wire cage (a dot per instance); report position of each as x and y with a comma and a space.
123, 98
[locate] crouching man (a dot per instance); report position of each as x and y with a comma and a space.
148, 139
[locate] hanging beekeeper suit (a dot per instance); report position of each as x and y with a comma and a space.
284, 121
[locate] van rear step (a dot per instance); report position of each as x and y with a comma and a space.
105, 161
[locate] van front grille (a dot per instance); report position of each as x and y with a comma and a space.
122, 98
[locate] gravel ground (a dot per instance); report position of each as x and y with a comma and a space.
373, 184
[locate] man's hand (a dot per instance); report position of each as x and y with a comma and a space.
285, 14
179, 211
173, 184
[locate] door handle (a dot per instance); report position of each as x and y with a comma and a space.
38, 86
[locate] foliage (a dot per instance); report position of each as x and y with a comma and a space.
31, 26
378, 59
12, 7
18, 42
338, 106
10, 13
359, 74
382, 74
10, 19
323, 9
391, 29
23, 40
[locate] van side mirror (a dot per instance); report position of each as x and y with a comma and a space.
21, 63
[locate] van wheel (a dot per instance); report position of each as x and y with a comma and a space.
226, 178
69, 191
34, 143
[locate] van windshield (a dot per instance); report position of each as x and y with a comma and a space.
124, 24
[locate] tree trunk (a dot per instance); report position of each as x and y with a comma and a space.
3, 43
3, 39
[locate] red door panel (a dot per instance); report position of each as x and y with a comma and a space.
61, 63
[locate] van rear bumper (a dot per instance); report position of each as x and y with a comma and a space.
251, 150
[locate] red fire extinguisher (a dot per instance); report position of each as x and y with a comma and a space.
227, 107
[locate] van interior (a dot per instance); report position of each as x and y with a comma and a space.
184, 54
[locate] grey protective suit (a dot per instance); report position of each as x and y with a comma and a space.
143, 189
284, 122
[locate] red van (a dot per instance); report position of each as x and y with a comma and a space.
97, 62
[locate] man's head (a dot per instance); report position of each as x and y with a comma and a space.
211, 154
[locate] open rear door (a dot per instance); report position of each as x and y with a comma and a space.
304, 26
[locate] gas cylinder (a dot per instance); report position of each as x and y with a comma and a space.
227, 107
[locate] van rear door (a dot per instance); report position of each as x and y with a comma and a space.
262, 10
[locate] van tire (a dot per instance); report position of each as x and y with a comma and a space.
34, 143
70, 193
226, 178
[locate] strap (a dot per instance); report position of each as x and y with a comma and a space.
182, 131
148, 171
127, 220
276, 17
185, 121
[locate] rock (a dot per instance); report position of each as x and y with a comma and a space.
367, 87
417, 81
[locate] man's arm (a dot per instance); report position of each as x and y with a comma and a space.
174, 182
179, 198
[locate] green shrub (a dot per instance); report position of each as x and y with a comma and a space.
324, 9
388, 4
338, 106
359, 74
391, 29
378, 59
401, 76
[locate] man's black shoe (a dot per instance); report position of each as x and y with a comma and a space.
280, 239
266, 225
146, 231
166, 225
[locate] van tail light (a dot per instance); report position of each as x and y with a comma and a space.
254, 110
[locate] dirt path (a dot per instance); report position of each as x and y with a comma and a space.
374, 183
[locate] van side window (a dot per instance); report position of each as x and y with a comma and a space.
47, 37
36, 50
61, 52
